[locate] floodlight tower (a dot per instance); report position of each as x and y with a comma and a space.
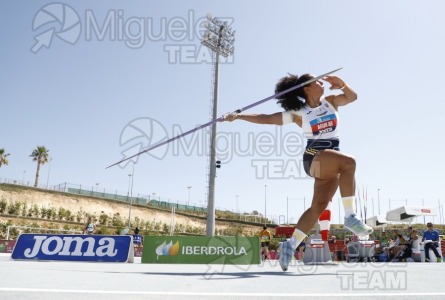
219, 38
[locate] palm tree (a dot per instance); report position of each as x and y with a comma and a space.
40, 154
3, 157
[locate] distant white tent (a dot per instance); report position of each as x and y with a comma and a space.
379, 221
404, 214
408, 213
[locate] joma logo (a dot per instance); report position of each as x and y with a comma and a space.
71, 246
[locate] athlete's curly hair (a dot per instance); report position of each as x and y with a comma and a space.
293, 99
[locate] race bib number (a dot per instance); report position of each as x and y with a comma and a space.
323, 124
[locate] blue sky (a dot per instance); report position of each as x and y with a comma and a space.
93, 94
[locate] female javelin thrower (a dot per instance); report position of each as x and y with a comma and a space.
318, 117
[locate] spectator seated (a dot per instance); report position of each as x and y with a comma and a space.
416, 251
431, 254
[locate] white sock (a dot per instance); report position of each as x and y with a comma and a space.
297, 238
349, 205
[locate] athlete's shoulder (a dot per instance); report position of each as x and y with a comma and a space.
329, 99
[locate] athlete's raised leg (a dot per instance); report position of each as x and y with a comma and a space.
328, 163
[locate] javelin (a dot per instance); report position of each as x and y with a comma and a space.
222, 117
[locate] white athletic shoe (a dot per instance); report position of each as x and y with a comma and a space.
357, 226
286, 253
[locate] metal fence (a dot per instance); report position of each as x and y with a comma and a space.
168, 205
127, 199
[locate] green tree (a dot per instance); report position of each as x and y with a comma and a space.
41, 156
3, 157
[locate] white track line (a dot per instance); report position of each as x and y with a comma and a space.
219, 294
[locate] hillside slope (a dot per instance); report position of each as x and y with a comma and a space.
82, 206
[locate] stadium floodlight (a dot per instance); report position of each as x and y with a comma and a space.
219, 38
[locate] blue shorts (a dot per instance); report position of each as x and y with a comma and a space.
313, 147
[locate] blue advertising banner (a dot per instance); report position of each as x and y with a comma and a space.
72, 247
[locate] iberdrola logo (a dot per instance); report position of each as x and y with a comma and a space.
169, 249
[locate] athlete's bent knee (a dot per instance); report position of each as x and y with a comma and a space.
348, 163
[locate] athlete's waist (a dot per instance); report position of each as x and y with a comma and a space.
333, 143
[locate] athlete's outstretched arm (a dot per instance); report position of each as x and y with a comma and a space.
273, 119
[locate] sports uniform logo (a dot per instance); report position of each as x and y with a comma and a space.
322, 114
